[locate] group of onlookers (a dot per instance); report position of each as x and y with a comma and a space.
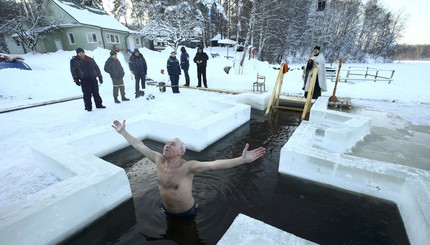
85, 73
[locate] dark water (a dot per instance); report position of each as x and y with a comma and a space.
318, 213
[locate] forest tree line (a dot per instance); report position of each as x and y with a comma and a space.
283, 29
278, 29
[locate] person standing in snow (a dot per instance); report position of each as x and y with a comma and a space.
175, 175
201, 60
137, 64
116, 72
317, 58
174, 70
185, 65
85, 72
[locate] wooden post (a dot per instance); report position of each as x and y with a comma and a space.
274, 99
333, 98
310, 92
376, 75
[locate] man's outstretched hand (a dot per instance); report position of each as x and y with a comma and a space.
118, 126
252, 155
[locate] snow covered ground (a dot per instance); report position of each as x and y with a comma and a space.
50, 79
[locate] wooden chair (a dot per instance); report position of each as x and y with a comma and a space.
260, 84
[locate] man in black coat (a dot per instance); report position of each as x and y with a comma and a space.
116, 72
185, 65
174, 70
137, 64
201, 60
85, 72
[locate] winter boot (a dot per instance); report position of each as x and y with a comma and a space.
124, 99
117, 101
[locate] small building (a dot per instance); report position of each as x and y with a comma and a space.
215, 39
80, 25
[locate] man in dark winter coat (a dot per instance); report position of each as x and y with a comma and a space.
174, 70
116, 72
185, 65
201, 60
85, 72
137, 64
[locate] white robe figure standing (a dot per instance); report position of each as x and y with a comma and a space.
320, 84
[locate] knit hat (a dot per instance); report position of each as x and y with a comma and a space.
318, 47
112, 53
136, 50
78, 50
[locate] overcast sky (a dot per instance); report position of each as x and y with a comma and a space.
417, 30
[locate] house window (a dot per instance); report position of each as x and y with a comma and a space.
112, 38
91, 37
137, 40
71, 38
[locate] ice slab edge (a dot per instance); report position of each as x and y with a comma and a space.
247, 230
310, 154
88, 188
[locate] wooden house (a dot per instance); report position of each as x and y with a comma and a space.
80, 25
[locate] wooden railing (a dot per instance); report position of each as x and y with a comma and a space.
355, 73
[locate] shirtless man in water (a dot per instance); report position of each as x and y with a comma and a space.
175, 175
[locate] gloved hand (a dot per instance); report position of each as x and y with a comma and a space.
77, 82
101, 80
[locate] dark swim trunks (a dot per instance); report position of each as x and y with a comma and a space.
191, 213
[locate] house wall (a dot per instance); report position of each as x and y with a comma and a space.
80, 32
134, 41
84, 36
122, 38
13, 48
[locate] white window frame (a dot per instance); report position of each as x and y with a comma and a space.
115, 37
71, 36
91, 37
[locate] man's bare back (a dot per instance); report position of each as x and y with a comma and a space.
175, 175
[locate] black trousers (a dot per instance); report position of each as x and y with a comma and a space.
140, 78
187, 77
174, 79
201, 72
90, 87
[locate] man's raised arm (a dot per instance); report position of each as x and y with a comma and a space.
133, 141
247, 157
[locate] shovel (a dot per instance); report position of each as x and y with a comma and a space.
333, 98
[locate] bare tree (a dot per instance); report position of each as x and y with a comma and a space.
173, 24
28, 24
